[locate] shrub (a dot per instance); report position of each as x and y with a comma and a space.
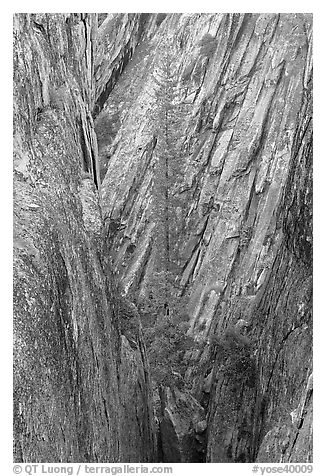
165, 331
208, 45
245, 236
232, 352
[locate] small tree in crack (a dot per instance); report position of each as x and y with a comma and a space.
166, 334
169, 164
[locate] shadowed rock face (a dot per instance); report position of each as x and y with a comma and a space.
81, 388
283, 317
81, 381
182, 428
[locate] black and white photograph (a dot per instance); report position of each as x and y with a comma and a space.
162, 241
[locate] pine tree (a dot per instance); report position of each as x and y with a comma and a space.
169, 163
163, 308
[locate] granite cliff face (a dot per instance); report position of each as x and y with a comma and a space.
244, 81
81, 383
242, 246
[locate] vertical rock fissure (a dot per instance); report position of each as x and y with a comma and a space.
185, 315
